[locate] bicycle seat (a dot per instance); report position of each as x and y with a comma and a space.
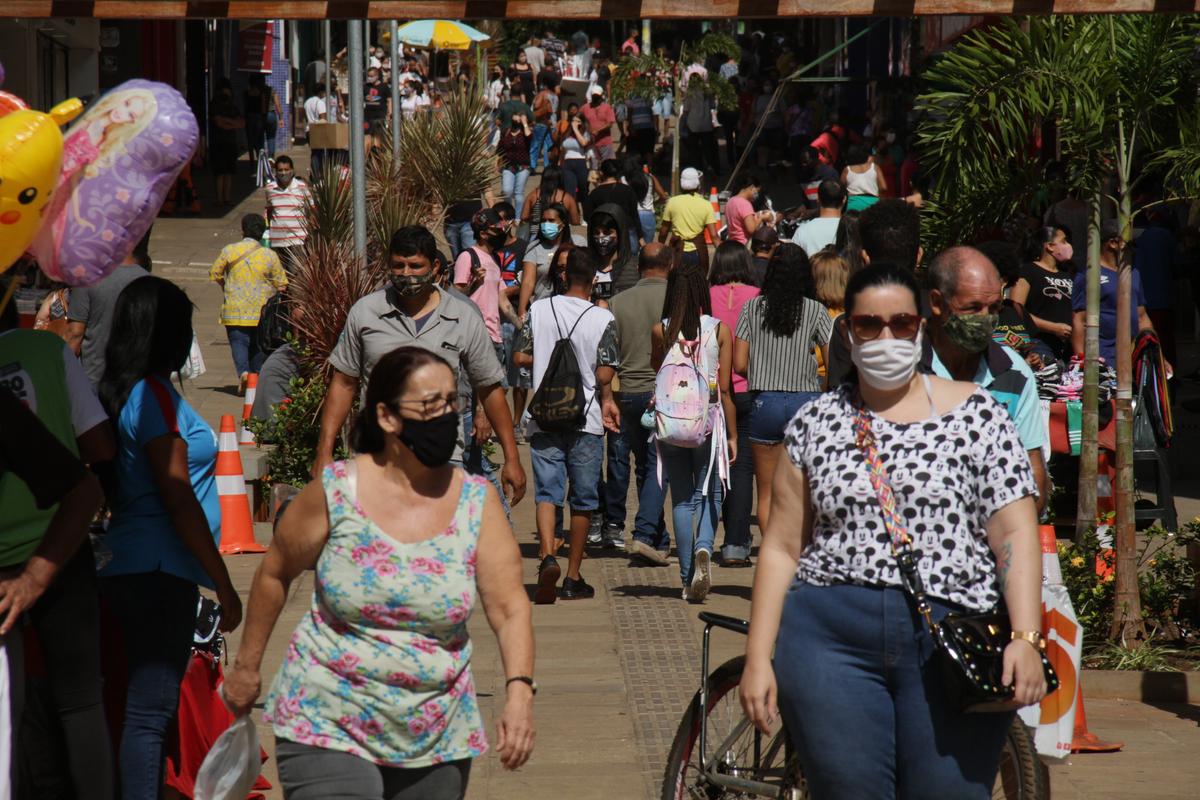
728, 623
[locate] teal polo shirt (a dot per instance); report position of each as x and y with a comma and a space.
1009, 379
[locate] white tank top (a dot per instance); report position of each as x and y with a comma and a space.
862, 182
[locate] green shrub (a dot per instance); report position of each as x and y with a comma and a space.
293, 430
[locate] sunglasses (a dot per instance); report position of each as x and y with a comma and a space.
866, 327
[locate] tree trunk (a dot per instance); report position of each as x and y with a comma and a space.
1128, 625
1089, 450
676, 137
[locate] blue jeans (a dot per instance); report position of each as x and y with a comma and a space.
740, 498
773, 411
241, 344
646, 219
557, 457
157, 613
866, 708
539, 146
648, 526
474, 460
691, 510
512, 184
460, 236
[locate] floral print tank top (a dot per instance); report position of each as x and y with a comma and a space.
380, 665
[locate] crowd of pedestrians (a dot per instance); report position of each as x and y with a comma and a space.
642, 349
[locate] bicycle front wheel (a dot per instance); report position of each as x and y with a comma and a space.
751, 755
1022, 775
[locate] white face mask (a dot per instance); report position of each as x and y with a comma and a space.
886, 364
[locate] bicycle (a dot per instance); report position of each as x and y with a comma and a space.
747, 763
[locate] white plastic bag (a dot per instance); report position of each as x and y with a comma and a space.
194, 367
232, 764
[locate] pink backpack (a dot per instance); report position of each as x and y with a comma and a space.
682, 407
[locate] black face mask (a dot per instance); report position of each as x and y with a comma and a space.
432, 441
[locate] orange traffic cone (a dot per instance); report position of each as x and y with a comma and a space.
716, 207
246, 437
237, 529
1084, 741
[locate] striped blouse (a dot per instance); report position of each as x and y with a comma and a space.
783, 363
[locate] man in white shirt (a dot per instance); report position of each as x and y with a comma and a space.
286, 196
818, 233
574, 454
535, 55
314, 107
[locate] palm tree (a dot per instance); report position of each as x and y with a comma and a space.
1112, 86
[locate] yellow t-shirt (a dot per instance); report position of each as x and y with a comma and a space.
688, 215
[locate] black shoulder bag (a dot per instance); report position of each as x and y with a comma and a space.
970, 647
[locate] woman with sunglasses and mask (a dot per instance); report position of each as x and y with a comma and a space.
854, 676
376, 696
778, 333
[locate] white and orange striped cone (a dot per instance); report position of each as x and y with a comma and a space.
246, 437
716, 207
237, 528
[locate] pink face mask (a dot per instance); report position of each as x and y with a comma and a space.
1062, 252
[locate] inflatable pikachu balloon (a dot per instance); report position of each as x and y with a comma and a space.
31, 148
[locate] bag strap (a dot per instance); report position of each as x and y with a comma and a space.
906, 557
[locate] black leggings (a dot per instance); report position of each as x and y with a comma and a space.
67, 621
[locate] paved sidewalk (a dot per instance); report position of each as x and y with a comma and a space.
616, 672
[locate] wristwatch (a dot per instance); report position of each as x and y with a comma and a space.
524, 679
1035, 638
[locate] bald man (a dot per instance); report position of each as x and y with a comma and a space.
637, 310
965, 298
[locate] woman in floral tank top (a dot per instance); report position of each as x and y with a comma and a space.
375, 696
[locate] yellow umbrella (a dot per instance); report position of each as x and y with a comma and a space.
440, 34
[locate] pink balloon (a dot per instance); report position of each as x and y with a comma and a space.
120, 158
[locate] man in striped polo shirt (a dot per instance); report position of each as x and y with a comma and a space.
286, 196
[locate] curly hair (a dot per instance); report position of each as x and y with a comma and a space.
787, 283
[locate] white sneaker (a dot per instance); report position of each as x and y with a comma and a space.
686, 596
701, 576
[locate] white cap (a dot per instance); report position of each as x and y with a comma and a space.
689, 179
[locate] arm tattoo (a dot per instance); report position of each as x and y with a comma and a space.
1003, 564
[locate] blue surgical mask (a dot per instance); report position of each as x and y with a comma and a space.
550, 230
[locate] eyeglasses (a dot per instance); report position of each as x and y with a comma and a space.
866, 327
434, 406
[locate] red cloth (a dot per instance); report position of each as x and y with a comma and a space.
201, 719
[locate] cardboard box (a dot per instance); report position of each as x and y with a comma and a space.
329, 135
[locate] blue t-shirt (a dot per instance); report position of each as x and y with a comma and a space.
1108, 308
141, 536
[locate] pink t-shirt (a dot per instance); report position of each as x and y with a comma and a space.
727, 302
737, 208
600, 120
487, 296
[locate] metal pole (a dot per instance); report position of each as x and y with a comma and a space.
394, 28
328, 78
358, 184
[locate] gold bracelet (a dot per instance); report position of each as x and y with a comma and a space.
1035, 638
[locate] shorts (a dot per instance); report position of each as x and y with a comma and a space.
559, 456
773, 411
663, 106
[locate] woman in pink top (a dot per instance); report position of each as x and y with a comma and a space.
729, 290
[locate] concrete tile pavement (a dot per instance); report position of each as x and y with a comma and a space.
616, 672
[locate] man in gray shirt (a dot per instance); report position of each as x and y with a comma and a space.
637, 310
90, 310
412, 310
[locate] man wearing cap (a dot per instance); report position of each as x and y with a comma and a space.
600, 118
686, 217
477, 275
763, 244
1112, 244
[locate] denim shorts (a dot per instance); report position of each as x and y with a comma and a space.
558, 456
773, 411
518, 377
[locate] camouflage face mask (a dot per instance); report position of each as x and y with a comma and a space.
971, 332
